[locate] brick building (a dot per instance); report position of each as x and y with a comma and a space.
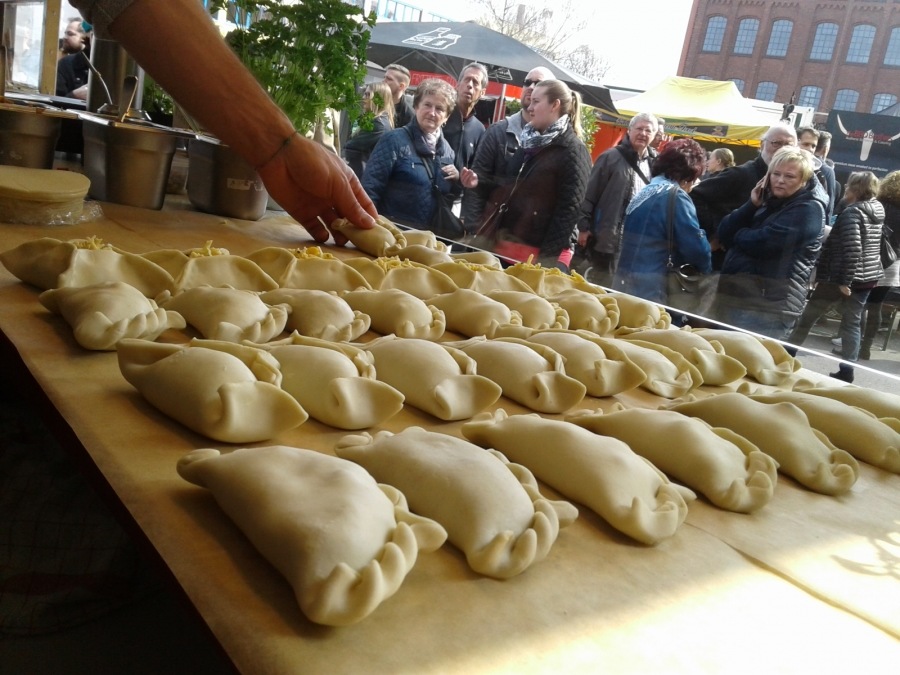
828, 55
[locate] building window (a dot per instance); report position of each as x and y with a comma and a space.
892, 55
739, 83
780, 38
810, 96
715, 34
882, 101
765, 91
846, 99
746, 36
861, 44
823, 43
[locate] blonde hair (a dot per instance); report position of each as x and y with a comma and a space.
725, 156
889, 189
382, 99
791, 153
569, 102
864, 185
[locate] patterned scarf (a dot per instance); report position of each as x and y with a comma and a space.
532, 138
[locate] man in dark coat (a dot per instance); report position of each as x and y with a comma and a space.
396, 77
462, 130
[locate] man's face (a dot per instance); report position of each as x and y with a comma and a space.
73, 40
469, 89
807, 141
531, 79
640, 134
773, 142
397, 82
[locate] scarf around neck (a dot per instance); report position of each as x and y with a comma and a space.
532, 138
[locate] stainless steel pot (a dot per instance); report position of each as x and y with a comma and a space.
222, 183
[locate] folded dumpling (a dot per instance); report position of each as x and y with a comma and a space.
319, 314
481, 277
343, 542
471, 313
669, 374
636, 312
536, 312
549, 281
600, 472
491, 509
594, 312
377, 240
884, 405
766, 360
229, 314
102, 314
393, 311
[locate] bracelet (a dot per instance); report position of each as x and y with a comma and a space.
286, 142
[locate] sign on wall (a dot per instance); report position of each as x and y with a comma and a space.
864, 142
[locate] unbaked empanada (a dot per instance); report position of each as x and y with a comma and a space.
782, 431
536, 311
231, 271
376, 241
492, 510
435, 378
595, 312
718, 463
471, 313
418, 280
885, 406
211, 391
424, 255
483, 258
102, 314
604, 370
549, 281
309, 267
343, 542
396, 312
423, 238
319, 314
639, 313
669, 374
530, 374
229, 314
481, 278
600, 472
852, 429
716, 368
766, 360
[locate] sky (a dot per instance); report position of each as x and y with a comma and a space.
641, 39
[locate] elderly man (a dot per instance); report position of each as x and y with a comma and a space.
618, 175
396, 77
463, 130
808, 139
721, 193
496, 149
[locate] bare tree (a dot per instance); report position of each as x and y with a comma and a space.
585, 61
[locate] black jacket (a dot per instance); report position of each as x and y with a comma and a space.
852, 253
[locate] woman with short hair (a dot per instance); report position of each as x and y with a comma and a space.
848, 269
772, 243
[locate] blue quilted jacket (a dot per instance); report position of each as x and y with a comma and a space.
395, 177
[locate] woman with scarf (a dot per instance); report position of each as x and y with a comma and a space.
410, 166
644, 257
532, 212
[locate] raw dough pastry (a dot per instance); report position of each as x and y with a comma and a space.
766, 360
419, 280
435, 378
782, 431
51, 263
604, 370
536, 311
491, 509
102, 314
419, 253
638, 313
393, 311
481, 278
343, 542
483, 258
716, 368
319, 314
423, 238
375, 241
595, 312
549, 281
883, 405
334, 383
211, 266
600, 472
852, 429
669, 374
530, 374
310, 268
470, 313
725, 467
229, 314
211, 391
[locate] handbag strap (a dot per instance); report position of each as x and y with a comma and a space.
428, 168
670, 226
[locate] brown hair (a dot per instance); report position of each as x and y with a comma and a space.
864, 185
569, 102
435, 87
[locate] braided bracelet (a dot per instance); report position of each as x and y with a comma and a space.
286, 142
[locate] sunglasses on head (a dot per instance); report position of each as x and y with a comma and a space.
531, 83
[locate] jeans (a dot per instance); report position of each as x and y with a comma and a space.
851, 308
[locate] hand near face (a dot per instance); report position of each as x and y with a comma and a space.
758, 193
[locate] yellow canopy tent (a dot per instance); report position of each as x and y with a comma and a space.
706, 110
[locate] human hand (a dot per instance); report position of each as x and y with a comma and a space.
758, 193
450, 172
583, 237
312, 183
81, 93
845, 290
468, 178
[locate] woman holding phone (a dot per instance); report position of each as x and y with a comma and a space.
772, 243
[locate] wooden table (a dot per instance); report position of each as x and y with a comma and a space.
808, 584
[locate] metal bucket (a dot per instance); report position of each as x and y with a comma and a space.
28, 136
128, 163
222, 183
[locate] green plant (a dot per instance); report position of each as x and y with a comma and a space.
589, 124
310, 56
156, 100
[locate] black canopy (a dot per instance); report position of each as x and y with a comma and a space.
446, 47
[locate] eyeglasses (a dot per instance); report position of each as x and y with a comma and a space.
531, 83
779, 144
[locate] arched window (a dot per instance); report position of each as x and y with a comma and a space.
892, 53
746, 36
780, 38
739, 83
861, 43
810, 95
765, 91
846, 99
823, 43
715, 34
882, 101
